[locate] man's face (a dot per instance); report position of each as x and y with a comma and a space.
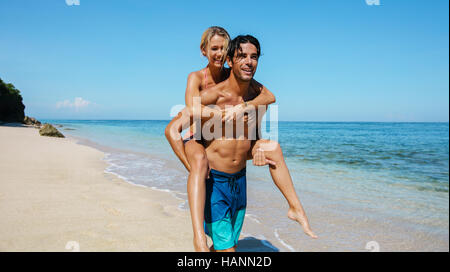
245, 61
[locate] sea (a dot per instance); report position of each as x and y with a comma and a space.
365, 186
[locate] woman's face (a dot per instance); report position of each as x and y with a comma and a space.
215, 51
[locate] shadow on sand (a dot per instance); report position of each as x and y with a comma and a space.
251, 244
12, 125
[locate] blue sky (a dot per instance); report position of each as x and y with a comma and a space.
325, 60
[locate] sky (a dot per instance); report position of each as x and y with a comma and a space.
325, 60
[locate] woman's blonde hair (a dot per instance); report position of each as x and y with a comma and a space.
210, 32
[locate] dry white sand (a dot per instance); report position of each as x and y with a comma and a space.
54, 193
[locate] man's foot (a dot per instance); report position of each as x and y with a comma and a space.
200, 245
301, 218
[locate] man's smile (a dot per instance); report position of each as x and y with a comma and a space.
247, 71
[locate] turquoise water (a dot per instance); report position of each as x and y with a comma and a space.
363, 176
412, 154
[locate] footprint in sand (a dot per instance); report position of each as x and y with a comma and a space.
90, 233
112, 226
85, 197
170, 211
112, 211
162, 209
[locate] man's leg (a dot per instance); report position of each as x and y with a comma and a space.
221, 233
231, 249
282, 179
196, 156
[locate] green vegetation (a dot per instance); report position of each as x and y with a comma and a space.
11, 106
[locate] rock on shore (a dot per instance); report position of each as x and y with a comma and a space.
31, 121
49, 130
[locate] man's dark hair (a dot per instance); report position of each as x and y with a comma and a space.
235, 45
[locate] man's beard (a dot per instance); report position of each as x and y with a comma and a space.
241, 78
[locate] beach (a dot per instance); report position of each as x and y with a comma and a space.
353, 95
56, 196
115, 185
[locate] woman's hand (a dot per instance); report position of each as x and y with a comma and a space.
235, 112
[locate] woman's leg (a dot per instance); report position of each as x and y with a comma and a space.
196, 190
282, 179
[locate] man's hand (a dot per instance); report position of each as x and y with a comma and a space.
209, 112
259, 159
235, 112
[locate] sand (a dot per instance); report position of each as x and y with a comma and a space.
55, 196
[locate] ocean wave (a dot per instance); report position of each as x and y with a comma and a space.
253, 218
286, 245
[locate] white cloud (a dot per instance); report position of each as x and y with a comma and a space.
77, 103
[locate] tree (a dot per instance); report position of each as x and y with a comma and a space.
11, 107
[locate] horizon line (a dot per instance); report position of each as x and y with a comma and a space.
305, 121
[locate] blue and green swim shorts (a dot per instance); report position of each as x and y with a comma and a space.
226, 201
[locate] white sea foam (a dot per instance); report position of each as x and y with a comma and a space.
283, 242
136, 184
161, 190
183, 206
136, 170
253, 218
268, 244
114, 173
113, 168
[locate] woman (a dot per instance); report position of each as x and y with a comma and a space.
214, 46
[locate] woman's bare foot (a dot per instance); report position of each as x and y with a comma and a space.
300, 217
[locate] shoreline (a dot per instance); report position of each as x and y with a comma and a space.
107, 151
65, 196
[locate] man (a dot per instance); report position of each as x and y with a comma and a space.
227, 153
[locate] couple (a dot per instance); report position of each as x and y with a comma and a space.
217, 176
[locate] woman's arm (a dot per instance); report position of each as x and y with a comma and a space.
265, 97
182, 121
210, 96
172, 133
207, 96
192, 89
185, 117
257, 95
